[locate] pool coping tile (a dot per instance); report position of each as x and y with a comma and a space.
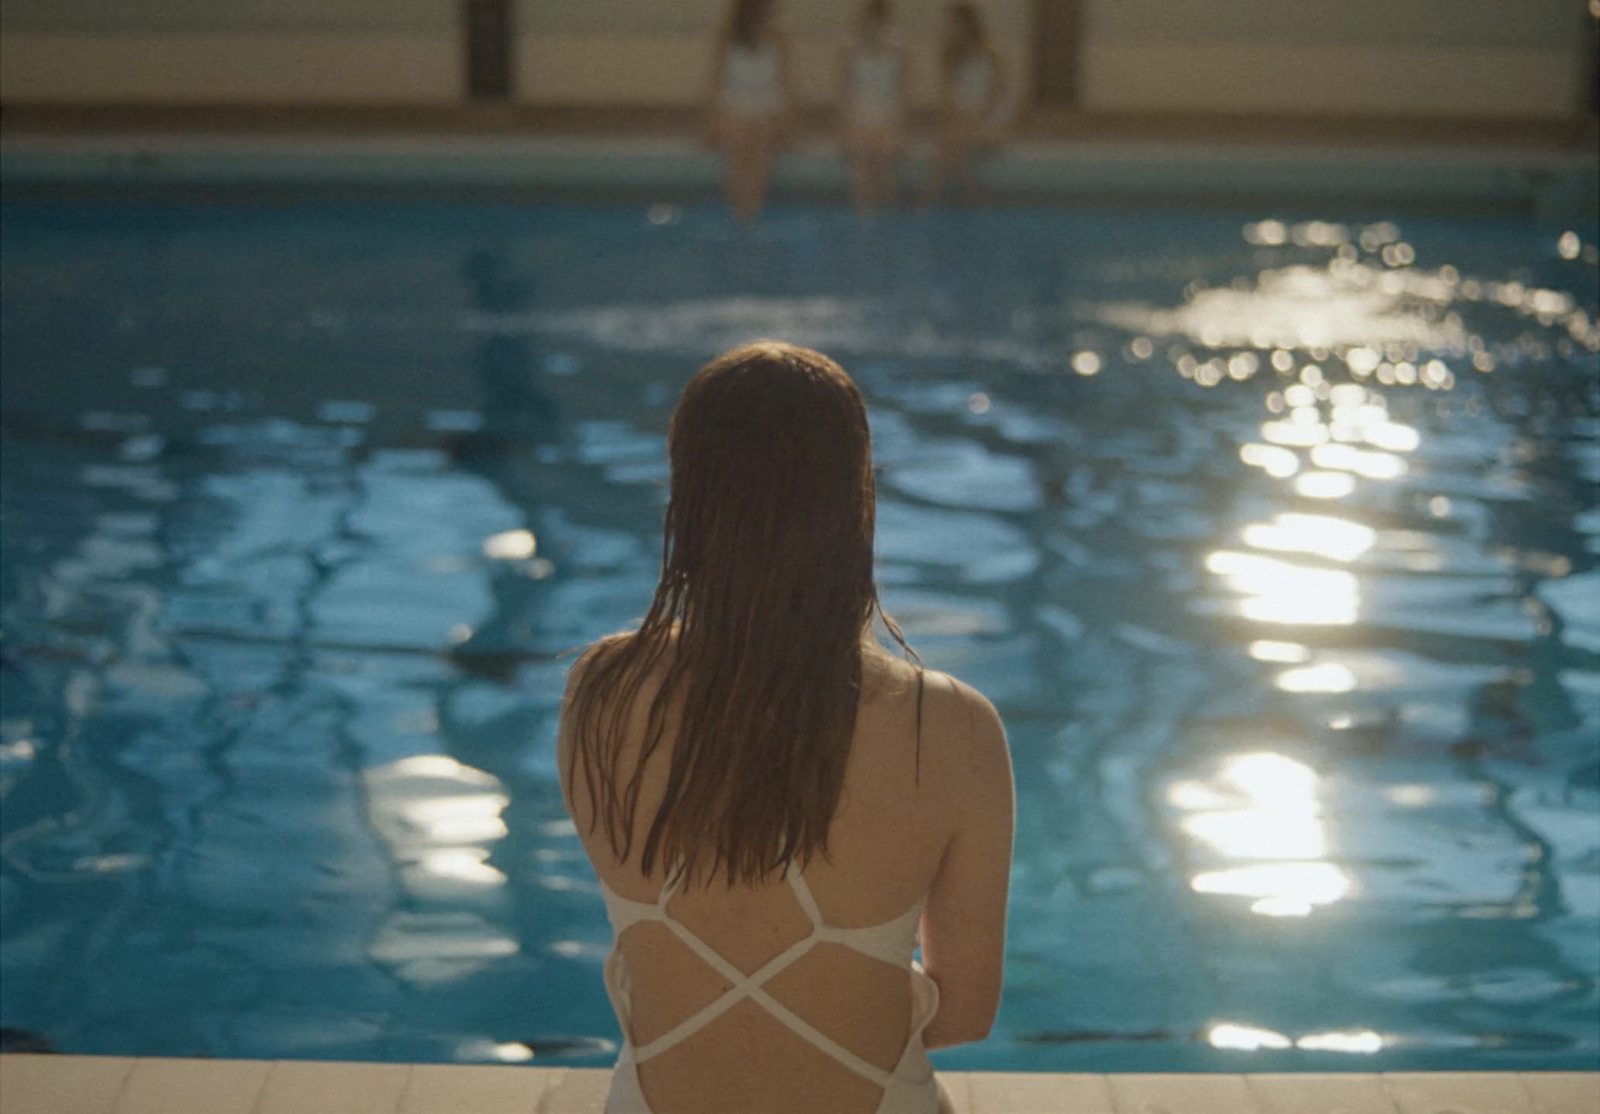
1562, 1092
59, 1084
330, 1087
35, 1084
1475, 1092
1320, 1093
176, 1086
1147, 1093
473, 1089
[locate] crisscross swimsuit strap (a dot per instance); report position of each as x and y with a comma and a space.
752, 986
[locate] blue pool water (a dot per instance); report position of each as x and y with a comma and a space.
1277, 546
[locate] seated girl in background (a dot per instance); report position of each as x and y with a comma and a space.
751, 102
972, 89
873, 108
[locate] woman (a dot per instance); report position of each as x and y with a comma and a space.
873, 108
772, 803
972, 88
750, 105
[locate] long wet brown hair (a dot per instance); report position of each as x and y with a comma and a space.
964, 35
761, 617
748, 21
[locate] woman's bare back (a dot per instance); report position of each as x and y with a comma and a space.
898, 814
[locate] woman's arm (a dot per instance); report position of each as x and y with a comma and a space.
964, 922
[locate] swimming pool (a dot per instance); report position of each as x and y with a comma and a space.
1276, 544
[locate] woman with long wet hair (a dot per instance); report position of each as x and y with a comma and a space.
972, 90
774, 804
750, 102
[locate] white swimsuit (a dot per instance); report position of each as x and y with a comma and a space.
909, 1089
971, 84
874, 91
752, 80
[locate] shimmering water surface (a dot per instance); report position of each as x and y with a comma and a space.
1276, 545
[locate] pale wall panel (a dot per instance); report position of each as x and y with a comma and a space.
673, 69
226, 17
579, 69
1550, 24
1347, 80
287, 69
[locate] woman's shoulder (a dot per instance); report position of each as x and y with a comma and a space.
952, 711
601, 651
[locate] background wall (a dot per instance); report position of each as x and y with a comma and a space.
1473, 58
230, 51
1419, 58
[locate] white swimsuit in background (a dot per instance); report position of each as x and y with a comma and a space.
972, 83
909, 1089
752, 80
873, 95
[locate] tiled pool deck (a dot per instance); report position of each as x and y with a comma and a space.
118, 1085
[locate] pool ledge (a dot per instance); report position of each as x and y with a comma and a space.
122, 1085
1329, 179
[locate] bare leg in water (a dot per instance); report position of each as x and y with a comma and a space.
750, 144
954, 162
872, 170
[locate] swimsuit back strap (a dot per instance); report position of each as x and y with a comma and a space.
802, 893
751, 986
820, 1041
744, 986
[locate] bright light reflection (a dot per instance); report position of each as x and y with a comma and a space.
1334, 538
1290, 653
1308, 883
1244, 1038
20, 751
442, 765
1294, 433
463, 865
1338, 307
466, 818
1268, 232
1280, 822
513, 1052
1243, 365
1394, 436
1326, 677
1412, 796
1281, 907
1357, 1040
1259, 833
1361, 361
1272, 776
1363, 462
1280, 592
1086, 363
1324, 485
1196, 796
1273, 460
512, 545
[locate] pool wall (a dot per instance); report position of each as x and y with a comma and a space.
1328, 180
